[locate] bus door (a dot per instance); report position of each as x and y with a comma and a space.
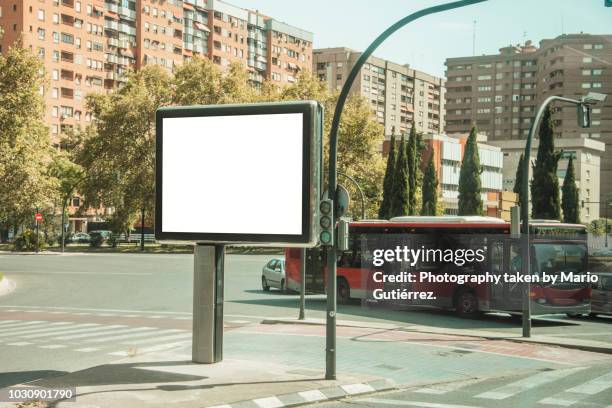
505, 257
315, 264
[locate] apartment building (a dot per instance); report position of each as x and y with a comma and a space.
399, 95
587, 156
87, 45
500, 93
448, 153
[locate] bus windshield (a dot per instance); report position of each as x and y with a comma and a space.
554, 258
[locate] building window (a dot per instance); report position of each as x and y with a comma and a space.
56, 37
587, 60
54, 111
40, 15
55, 75
54, 93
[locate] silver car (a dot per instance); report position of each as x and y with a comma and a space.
273, 275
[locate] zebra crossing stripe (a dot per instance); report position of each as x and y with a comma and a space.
102, 331
3, 322
528, 383
87, 349
158, 339
160, 347
63, 330
52, 346
269, 402
150, 332
22, 323
581, 391
19, 343
32, 329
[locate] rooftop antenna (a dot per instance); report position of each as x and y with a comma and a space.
474, 39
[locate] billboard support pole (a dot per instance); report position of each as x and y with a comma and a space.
330, 341
302, 283
208, 271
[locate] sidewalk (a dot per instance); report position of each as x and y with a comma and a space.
573, 343
280, 365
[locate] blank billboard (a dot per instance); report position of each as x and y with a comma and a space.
236, 173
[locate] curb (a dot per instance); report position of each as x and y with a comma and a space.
308, 397
543, 340
7, 286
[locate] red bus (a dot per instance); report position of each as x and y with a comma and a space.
555, 249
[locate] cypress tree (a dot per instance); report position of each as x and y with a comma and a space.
470, 201
545, 184
411, 152
430, 189
570, 195
385, 206
518, 182
399, 197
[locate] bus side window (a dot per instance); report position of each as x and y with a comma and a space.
497, 258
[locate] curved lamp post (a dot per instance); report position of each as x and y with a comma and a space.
589, 99
330, 346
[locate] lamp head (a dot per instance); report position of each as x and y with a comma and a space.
594, 97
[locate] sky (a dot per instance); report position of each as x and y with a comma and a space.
426, 43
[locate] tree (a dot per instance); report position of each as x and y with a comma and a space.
119, 154
518, 181
383, 212
25, 146
571, 214
470, 201
545, 184
430, 189
70, 176
412, 170
399, 201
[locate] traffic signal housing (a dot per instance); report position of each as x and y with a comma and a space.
326, 222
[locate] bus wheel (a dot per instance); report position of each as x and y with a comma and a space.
264, 284
466, 304
343, 291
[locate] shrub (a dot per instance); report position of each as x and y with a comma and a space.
27, 241
96, 240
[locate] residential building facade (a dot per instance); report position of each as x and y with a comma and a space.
398, 94
587, 157
500, 93
448, 153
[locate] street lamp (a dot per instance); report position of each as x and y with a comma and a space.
330, 335
583, 121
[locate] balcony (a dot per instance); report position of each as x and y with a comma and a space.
67, 93
67, 56
113, 42
111, 25
68, 3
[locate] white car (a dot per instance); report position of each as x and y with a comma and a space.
273, 275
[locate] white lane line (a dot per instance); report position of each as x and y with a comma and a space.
100, 310
22, 323
238, 321
312, 395
154, 317
150, 332
77, 328
106, 314
269, 402
160, 347
53, 346
413, 403
87, 349
33, 329
19, 343
183, 318
439, 389
155, 340
3, 322
131, 315
103, 331
525, 384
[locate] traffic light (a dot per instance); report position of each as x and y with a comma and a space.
326, 222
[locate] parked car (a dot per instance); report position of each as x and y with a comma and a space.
602, 252
78, 238
601, 295
273, 275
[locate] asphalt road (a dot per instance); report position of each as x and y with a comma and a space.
73, 311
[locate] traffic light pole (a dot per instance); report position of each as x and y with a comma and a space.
330, 343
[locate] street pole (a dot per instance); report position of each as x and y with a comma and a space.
37, 234
142, 227
302, 284
330, 340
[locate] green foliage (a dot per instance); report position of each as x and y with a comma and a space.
25, 146
27, 241
545, 184
430, 189
518, 181
598, 227
400, 199
411, 152
470, 201
571, 213
383, 212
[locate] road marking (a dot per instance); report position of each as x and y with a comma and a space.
357, 388
239, 321
413, 403
312, 395
19, 343
93, 327
3, 322
150, 332
77, 328
52, 346
160, 347
18, 331
575, 394
269, 402
147, 341
439, 389
87, 349
525, 384
154, 317
23, 323
104, 332
98, 310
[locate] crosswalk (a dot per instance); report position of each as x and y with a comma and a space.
117, 340
568, 387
